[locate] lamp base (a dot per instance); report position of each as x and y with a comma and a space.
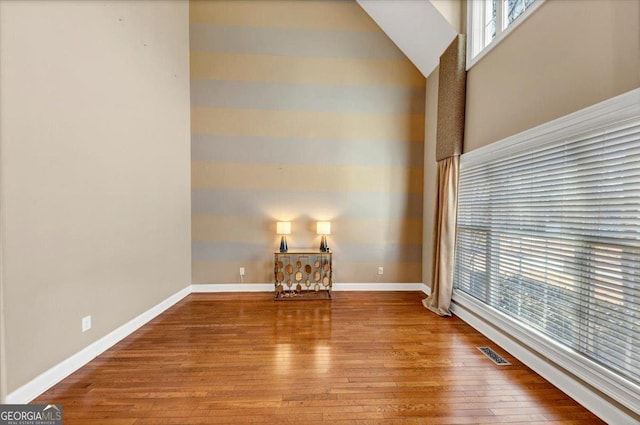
323, 244
283, 244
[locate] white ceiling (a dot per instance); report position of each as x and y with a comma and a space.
415, 26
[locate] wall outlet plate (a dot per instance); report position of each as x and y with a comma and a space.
241, 271
86, 323
380, 270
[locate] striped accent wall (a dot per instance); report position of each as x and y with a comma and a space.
303, 111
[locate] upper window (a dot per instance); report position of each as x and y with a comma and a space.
491, 20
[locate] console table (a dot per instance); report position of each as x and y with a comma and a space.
303, 274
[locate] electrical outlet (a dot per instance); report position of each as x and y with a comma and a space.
380, 270
86, 323
241, 271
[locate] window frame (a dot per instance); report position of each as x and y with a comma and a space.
476, 27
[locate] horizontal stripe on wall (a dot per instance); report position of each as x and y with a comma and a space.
276, 203
359, 230
304, 97
305, 70
376, 253
229, 251
204, 272
307, 125
364, 230
405, 272
269, 150
330, 15
316, 178
351, 253
292, 42
234, 228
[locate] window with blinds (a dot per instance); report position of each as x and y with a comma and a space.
548, 233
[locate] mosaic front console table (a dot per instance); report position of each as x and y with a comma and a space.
303, 274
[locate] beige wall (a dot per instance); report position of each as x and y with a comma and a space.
95, 171
303, 111
568, 55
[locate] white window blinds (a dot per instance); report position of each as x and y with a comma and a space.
548, 234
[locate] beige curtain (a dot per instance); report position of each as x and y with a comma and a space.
445, 237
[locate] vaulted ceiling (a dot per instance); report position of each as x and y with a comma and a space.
417, 27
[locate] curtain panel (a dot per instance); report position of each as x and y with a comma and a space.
445, 237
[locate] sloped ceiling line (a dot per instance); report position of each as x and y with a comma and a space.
415, 26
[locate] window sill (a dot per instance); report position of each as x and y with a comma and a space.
562, 367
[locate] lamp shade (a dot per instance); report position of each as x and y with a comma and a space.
323, 228
283, 228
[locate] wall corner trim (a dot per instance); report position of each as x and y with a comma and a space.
57, 373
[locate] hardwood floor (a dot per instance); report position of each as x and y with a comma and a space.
362, 358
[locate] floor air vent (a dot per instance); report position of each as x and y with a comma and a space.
493, 356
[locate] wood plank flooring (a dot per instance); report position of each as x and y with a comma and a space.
362, 358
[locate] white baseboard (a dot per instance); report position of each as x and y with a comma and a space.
57, 373
601, 406
268, 287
